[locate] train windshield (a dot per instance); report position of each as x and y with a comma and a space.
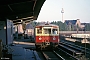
39, 30
47, 31
55, 31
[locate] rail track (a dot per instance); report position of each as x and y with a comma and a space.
51, 55
84, 50
81, 47
61, 54
66, 55
66, 51
78, 48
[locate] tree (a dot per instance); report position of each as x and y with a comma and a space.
62, 26
87, 27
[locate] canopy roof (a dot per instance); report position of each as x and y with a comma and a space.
17, 10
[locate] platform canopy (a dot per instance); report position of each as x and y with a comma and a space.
17, 10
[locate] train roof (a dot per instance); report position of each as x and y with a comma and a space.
47, 25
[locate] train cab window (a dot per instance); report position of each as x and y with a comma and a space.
55, 31
47, 31
39, 30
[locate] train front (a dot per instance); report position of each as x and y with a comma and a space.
47, 36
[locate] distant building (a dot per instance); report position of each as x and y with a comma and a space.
73, 25
29, 30
20, 30
83, 26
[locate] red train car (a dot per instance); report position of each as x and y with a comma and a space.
46, 35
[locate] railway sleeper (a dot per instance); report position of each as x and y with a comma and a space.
69, 54
76, 48
50, 55
71, 51
73, 47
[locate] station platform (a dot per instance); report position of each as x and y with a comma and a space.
78, 40
23, 51
81, 35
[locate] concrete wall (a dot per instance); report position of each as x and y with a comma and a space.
6, 32
3, 32
9, 31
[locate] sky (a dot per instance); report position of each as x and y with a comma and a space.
73, 9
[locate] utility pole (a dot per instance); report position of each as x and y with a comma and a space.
85, 46
62, 11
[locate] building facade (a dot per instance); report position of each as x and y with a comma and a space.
74, 25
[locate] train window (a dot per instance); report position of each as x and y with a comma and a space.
39, 30
47, 31
55, 31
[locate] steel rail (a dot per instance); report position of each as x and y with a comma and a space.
47, 57
75, 47
69, 54
59, 55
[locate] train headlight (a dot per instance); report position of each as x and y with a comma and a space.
40, 38
54, 38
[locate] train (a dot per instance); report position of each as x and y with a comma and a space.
46, 36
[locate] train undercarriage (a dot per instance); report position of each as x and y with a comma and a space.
46, 46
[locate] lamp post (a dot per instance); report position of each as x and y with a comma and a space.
85, 47
85, 44
77, 28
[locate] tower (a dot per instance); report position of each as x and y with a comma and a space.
62, 11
